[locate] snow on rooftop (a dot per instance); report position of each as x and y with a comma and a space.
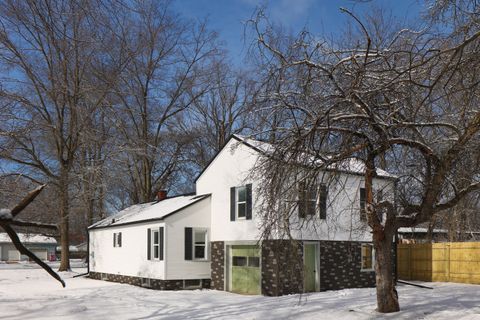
419, 230
351, 165
28, 238
5, 214
148, 211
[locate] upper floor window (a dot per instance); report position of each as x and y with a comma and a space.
241, 202
311, 196
117, 239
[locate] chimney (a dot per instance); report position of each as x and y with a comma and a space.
161, 195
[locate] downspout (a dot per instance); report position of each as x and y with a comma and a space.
88, 251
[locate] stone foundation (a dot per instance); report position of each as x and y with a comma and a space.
340, 266
282, 266
156, 284
281, 272
218, 265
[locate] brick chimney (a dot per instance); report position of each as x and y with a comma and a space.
161, 195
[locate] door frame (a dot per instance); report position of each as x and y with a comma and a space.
316, 244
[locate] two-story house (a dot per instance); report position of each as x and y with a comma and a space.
212, 239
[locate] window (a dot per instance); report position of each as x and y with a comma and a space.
192, 284
241, 202
239, 261
200, 244
307, 199
156, 244
117, 239
367, 257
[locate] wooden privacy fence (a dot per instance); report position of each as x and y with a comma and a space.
449, 261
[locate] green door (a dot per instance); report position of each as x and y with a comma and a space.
245, 269
310, 267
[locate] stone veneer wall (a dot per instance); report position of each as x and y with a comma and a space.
137, 281
340, 266
218, 265
282, 267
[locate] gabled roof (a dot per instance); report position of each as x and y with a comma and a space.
351, 165
152, 211
28, 238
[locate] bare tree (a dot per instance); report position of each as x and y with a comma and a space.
7, 220
406, 101
223, 110
52, 51
165, 76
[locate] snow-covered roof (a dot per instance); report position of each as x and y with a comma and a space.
28, 238
149, 211
351, 165
419, 230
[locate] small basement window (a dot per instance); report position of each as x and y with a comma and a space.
367, 257
192, 284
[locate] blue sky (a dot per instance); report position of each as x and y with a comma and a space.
227, 17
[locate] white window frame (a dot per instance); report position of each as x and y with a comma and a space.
205, 245
238, 202
361, 257
155, 245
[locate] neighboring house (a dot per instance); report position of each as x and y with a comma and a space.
43, 247
213, 239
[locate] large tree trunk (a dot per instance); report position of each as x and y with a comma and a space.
387, 298
64, 220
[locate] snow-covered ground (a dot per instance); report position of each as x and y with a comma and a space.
27, 293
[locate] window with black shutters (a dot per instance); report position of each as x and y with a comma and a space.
241, 202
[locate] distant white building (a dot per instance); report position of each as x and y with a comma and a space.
212, 239
42, 246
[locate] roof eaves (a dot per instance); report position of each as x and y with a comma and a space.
197, 199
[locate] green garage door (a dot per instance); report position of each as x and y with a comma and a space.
245, 269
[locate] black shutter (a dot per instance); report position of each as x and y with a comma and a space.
188, 243
160, 254
114, 240
249, 201
301, 199
149, 244
363, 213
323, 201
232, 204
119, 239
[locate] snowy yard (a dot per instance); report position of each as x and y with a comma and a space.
28, 293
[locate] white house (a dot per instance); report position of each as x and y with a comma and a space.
212, 239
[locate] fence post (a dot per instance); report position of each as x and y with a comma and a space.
447, 267
409, 262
